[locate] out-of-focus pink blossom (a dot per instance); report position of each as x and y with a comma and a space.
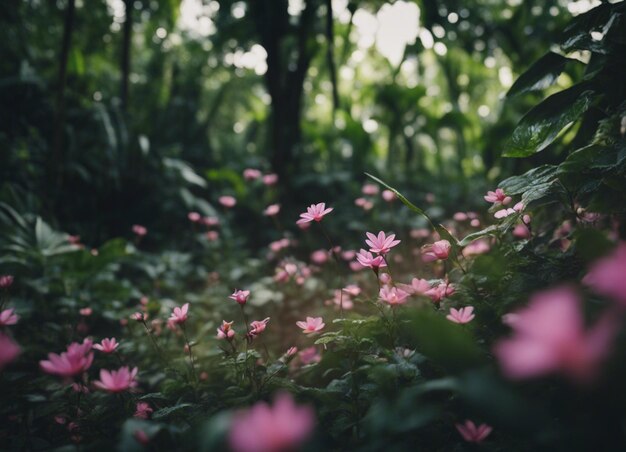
382, 243
143, 410
367, 259
271, 210
73, 239
80, 388
115, 381
85, 312
227, 201
141, 437
309, 355
417, 287
430, 198
258, 326
212, 236
341, 300
607, 275
225, 331
194, 217
107, 345
315, 212
348, 255
6, 281
463, 315
312, 325
360, 202
139, 230
389, 196
291, 351
521, 231
549, 336
139, 316
370, 189
440, 291
352, 290
497, 197
384, 278
421, 233
251, 174
393, 296
264, 428
518, 207
319, 257
356, 266
9, 350
270, 179
8, 317
475, 223
179, 314
76, 360
480, 246
435, 251
240, 296
473, 434
460, 216
503, 213
211, 221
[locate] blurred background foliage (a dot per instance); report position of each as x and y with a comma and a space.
128, 102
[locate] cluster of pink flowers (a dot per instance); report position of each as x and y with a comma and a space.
392, 295
225, 331
251, 174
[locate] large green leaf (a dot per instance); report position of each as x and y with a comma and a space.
541, 125
540, 75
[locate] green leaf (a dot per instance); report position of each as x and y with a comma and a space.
540, 75
541, 125
167, 411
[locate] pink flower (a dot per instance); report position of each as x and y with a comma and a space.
227, 201
382, 243
385, 278
8, 317
270, 179
264, 428
258, 326
435, 251
240, 296
194, 217
212, 236
503, 213
312, 325
85, 312
139, 230
9, 350
441, 291
393, 296
310, 355
179, 315
225, 331
607, 275
117, 380
143, 410
475, 223
366, 259
348, 255
251, 174
463, 315
76, 360
211, 221
315, 212
473, 434
389, 196
549, 336
497, 197
291, 351
139, 316
521, 231
107, 345
460, 216
417, 287
73, 239
272, 210
319, 257
480, 246
6, 281
141, 437
370, 189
